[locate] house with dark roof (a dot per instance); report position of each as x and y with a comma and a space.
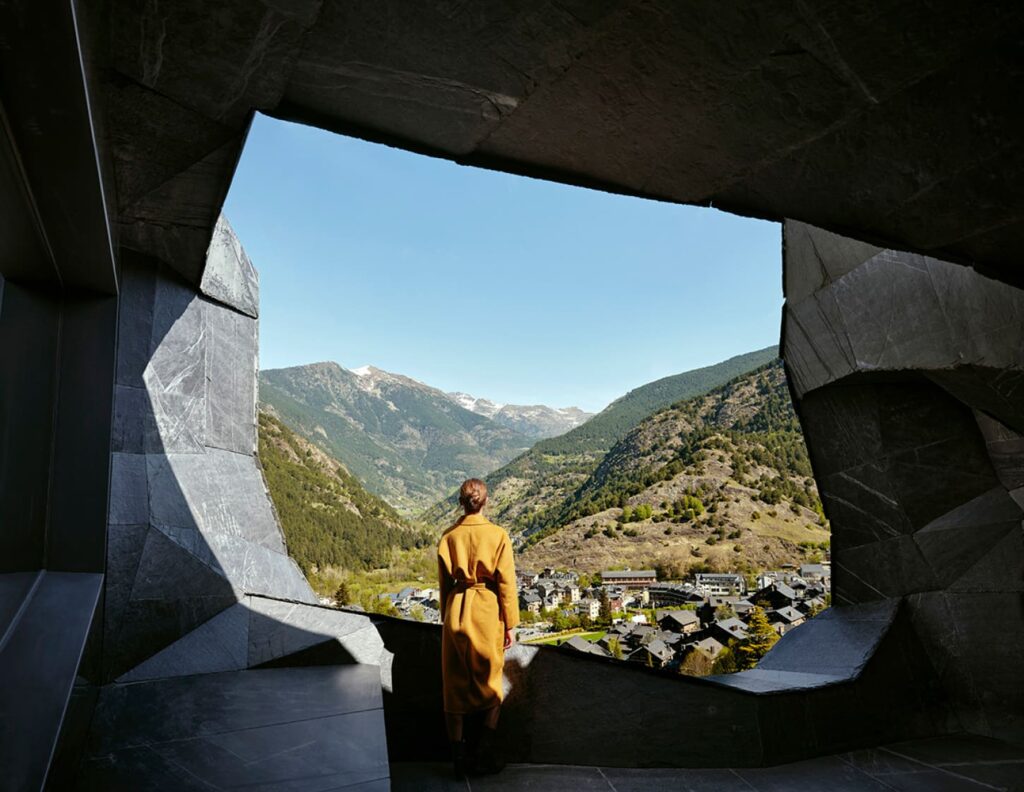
583, 646
728, 630
679, 621
655, 653
775, 595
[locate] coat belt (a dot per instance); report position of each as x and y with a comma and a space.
463, 585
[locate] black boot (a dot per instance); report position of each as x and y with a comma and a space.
459, 759
489, 759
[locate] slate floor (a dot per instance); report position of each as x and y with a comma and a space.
943, 764
275, 730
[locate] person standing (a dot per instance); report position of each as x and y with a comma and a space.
479, 608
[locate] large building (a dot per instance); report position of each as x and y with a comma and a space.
630, 578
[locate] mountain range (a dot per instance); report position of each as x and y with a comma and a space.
406, 441
525, 494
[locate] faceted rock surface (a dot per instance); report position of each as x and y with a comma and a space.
907, 373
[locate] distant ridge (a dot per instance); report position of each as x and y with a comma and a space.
524, 491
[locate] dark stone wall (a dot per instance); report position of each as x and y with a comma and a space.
562, 707
907, 373
29, 340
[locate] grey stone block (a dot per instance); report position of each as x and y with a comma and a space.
332, 753
219, 644
135, 321
280, 628
129, 490
124, 549
229, 275
814, 258
217, 492
1005, 449
175, 376
181, 708
231, 380
838, 642
998, 392
897, 311
816, 344
128, 430
167, 572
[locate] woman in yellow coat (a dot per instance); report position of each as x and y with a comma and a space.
479, 607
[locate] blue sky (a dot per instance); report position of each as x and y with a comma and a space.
514, 289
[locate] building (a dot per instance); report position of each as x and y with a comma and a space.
680, 621
638, 578
589, 607
720, 583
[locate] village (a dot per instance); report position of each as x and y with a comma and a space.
712, 623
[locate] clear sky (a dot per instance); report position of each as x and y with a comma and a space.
514, 289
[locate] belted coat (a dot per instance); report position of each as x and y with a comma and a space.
479, 601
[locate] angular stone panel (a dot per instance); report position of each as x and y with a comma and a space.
175, 376
279, 628
231, 380
129, 489
220, 644
815, 257
229, 276
1005, 448
909, 378
135, 320
214, 492
898, 311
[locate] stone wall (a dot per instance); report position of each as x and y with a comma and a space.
908, 376
191, 528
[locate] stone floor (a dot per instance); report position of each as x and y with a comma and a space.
942, 764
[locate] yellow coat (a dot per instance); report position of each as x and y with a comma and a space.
479, 601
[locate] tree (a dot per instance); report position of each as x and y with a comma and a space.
725, 661
760, 638
724, 611
605, 612
341, 595
615, 648
696, 663
417, 612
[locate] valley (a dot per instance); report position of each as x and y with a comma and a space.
704, 471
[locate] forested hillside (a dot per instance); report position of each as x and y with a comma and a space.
332, 525
721, 481
528, 493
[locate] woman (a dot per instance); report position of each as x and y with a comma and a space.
479, 608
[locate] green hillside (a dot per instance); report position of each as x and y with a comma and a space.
331, 524
611, 424
721, 481
528, 494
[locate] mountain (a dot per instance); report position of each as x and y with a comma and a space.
534, 421
720, 481
526, 493
407, 442
331, 523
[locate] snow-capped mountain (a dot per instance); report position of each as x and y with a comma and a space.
536, 421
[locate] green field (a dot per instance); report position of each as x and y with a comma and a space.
586, 636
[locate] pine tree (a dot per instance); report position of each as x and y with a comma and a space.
760, 638
605, 611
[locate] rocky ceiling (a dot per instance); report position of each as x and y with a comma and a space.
896, 122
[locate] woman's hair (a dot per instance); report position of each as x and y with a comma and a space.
472, 495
